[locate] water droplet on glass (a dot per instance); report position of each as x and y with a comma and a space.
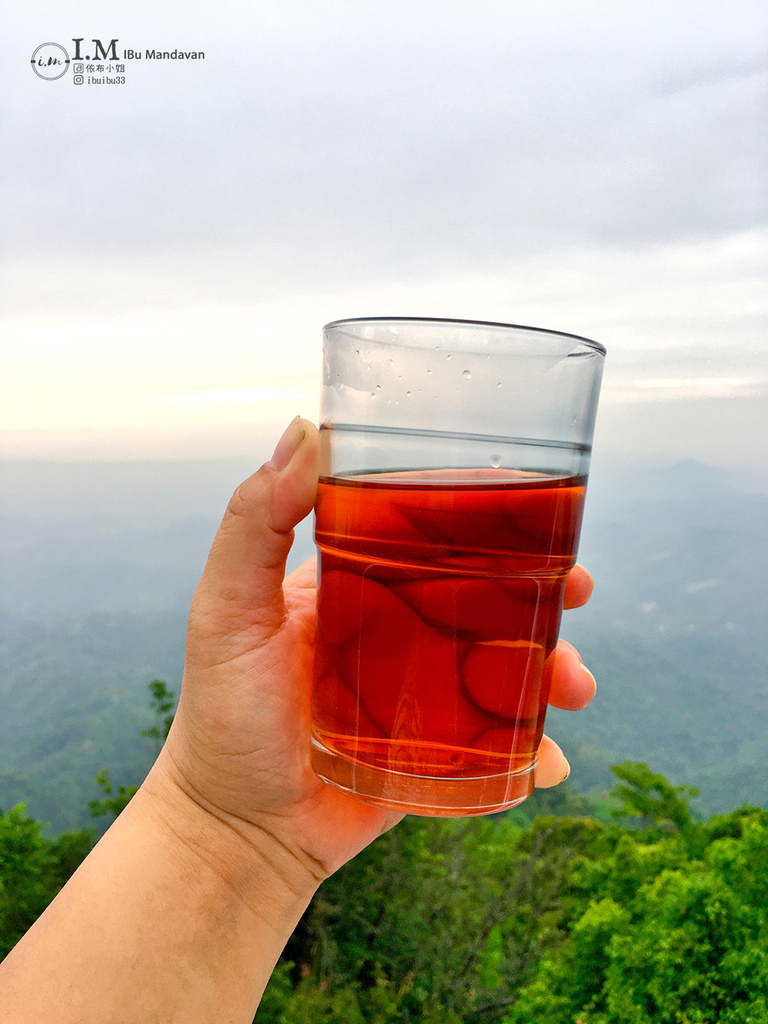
466, 374
448, 356
407, 394
429, 371
498, 385
378, 387
495, 461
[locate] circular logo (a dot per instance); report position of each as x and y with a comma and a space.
50, 61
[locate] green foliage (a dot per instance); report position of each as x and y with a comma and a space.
673, 924
544, 913
315, 1005
32, 870
68, 851
443, 919
277, 995
161, 703
32, 867
111, 804
23, 865
651, 800
566, 919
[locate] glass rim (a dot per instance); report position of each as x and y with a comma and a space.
350, 321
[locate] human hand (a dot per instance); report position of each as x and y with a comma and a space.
239, 746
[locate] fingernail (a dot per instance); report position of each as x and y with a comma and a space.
568, 771
586, 672
287, 445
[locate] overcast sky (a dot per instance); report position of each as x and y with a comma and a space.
173, 244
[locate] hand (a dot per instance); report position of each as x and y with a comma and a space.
239, 746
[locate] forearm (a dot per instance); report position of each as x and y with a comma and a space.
173, 917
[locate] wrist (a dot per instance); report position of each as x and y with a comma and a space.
255, 866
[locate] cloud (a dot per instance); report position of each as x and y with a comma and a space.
596, 168
242, 395
343, 140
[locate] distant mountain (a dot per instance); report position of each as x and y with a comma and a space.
98, 564
110, 537
74, 700
675, 631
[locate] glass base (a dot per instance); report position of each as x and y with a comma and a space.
418, 794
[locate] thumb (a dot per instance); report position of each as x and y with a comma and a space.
241, 585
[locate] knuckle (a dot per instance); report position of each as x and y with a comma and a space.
243, 501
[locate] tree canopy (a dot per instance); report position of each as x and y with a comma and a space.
559, 911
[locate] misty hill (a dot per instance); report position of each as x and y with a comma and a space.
109, 537
98, 563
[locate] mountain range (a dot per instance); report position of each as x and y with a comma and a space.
98, 563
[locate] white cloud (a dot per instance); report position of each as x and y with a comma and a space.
596, 168
229, 397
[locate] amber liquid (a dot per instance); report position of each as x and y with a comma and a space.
439, 606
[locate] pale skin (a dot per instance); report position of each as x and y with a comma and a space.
181, 911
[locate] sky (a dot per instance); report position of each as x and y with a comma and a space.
172, 244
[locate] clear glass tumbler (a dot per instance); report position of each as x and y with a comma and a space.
454, 459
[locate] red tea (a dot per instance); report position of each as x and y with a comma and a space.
439, 606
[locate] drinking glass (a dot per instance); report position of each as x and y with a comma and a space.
454, 460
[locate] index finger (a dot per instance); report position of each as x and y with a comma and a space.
578, 587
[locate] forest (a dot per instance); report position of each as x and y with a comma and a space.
565, 910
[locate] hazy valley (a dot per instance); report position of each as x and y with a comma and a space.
99, 561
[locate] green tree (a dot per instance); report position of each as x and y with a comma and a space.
32, 870
113, 803
443, 919
163, 704
33, 867
649, 799
672, 926
163, 700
